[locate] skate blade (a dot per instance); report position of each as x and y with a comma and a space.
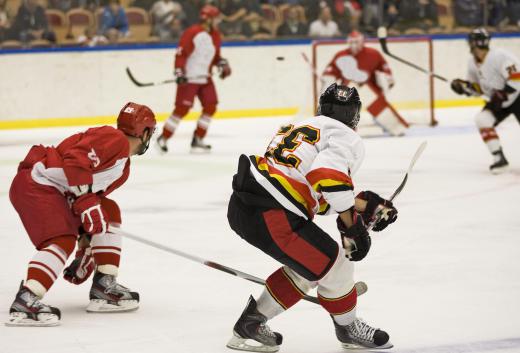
355, 347
500, 170
102, 306
249, 345
200, 150
21, 320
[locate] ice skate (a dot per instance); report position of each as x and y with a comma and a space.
162, 144
251, 332
360, 335
501, 164
27, 310
198, 145
106, 295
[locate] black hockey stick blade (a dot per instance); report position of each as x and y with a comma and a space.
361, 287
134, 80
381, 34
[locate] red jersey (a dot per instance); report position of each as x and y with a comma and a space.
197, 53
360, 68
99, 157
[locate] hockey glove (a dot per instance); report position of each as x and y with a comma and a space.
379, 211
497, 98
355, 239
180, 76
81, 267
93, 217
223, 68
465, 87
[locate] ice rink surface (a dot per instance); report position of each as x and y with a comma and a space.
444, 278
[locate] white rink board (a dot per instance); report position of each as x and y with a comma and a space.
442, 279
87, 84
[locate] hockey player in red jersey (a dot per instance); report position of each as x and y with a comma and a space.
198, 52
366, 66
307, 170
60, 194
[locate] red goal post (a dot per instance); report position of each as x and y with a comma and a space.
413, 93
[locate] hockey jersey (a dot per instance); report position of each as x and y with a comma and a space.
308, 166
98, 157
198, 51
499, 69
360, 68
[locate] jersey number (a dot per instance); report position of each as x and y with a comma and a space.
290, 143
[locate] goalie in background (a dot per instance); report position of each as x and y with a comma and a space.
362, 65
494, 74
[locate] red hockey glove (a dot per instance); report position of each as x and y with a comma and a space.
355, 239
497, 98
93, 217
81, 267
180, 76
223, 68
379, 211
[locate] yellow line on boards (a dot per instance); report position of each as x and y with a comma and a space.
226, 114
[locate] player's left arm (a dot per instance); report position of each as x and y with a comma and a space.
224, 69
509, 71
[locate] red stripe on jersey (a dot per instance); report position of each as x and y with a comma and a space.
316, 175
283, 289
292, 244
515, 76
341, 305
106, 248
55, 254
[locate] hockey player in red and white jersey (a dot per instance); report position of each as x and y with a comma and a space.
307, 170
197, 54
60, 194
495, 74
363, 65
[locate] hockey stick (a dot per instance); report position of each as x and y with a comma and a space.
313, 70
150, 84
382, 35
361, 287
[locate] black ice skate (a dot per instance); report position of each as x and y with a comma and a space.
198, 145
106, 295
501, 164
251, 332
162, 145
27, 310
360, 335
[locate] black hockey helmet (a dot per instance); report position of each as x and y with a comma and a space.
479, 38
341, 103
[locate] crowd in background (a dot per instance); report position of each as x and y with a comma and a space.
97, 22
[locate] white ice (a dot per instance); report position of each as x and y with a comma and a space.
444, 278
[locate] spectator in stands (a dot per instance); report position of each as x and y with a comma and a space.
191, 11
142, 4
418, 13
90, 39
257, 29
292, 26
163, 13
324, 26
31, 23
113, 24
4, 21
468, 13
513, 11
62, 5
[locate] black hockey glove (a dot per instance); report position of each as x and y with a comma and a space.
355, 239
497, 98
379, 211
180, 77
465, 87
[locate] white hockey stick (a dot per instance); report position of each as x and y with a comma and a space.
361, 287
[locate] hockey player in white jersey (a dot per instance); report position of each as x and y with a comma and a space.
307, 170
493, 73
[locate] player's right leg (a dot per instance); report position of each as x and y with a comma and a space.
183, 102
486, 121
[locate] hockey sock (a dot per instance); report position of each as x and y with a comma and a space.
485, 122
202, 125
170, 125
343, 308
106, 249
47, 264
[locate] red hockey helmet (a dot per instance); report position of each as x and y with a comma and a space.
209, 11
134, 120
356, 41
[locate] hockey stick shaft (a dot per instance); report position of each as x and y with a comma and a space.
151, 84
313, 70
361, 287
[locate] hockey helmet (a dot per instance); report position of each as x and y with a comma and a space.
356, 41
479, 38
135, 120
208, 11
341, 103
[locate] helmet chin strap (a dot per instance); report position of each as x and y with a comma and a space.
143, 147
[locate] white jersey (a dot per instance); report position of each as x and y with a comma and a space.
308, 166
499, 69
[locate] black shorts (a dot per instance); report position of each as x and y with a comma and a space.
502, 113
288, 238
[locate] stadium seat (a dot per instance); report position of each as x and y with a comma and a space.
11, 44
40, 43
79, 20
140, 28
58, 23
445, 13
